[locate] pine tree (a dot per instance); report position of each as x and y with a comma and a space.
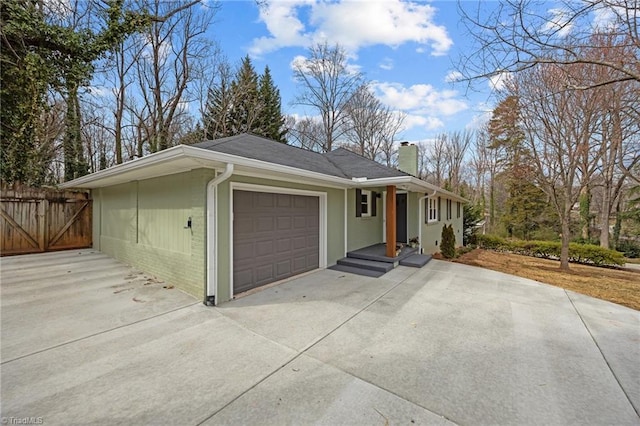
271, 121
246, 103
448, 242
246, 106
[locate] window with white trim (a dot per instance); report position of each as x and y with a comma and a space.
449, 209
431, 210
365, 204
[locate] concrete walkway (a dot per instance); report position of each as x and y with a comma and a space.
86, 339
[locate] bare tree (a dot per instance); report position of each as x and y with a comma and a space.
371, 126
558, 128
306, 133
171, 49
327, 84
457, 147
517, 35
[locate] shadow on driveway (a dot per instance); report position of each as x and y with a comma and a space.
444, 344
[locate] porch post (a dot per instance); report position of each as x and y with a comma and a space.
391, 221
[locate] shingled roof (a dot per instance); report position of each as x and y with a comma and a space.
340, 162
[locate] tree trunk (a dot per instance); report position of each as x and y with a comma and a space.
604, 218
566, 236
585, 214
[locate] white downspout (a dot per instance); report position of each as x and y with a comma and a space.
420, 219
212, 237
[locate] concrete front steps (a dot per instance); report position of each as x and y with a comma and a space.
372, 262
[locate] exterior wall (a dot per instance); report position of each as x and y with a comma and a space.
363, 231
335, 225
432, 232
412, 214
143, 224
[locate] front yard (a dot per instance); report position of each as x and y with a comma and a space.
620, 286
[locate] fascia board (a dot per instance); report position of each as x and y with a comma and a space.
265, 166
408, 181
133, 165
207, 159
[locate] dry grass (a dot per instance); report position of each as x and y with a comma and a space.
620, 286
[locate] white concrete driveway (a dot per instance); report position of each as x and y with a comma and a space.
86, 339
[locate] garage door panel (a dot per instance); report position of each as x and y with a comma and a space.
241, 222
284, 200
283, 268
265, 224
282, 240
263, 200
312, 241
243, 278
300, 222
284, 223
264, 248
264, 273
283, 245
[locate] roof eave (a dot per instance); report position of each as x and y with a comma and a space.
201, 158
410, 183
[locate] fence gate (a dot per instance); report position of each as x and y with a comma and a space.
35, 220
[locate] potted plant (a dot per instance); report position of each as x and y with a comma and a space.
414, 242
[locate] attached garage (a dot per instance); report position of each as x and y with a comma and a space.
275, 236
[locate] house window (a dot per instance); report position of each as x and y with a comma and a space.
431, 210
458, 209
365, 203
449, 209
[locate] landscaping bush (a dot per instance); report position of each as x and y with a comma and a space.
491, 242
630, 249
448, 243
588, 254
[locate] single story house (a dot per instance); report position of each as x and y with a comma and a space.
224, 216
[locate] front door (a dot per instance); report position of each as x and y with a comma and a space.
401, 218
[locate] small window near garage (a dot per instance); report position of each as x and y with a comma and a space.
431, 210
365, 203
449, 209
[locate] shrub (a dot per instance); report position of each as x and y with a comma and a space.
578, 253
630, 249
448, 243
491, 242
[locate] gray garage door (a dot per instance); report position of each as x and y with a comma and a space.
275, 236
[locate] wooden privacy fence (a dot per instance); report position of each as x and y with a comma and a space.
35, 220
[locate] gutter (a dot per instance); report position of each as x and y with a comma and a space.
212, 237
421, 219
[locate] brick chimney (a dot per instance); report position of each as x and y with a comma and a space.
408, 158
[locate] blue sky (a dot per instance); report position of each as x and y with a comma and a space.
407, 49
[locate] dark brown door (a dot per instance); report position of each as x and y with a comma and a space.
401, 218
275, 236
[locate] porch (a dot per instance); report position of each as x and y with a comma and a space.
372, 261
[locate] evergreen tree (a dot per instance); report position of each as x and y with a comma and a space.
216, 118
245, 103
246, 106
271, 121
448, 242
525, 207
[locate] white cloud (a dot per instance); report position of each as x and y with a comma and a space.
558, 24
352, 24
478, 120
386, 64
453, 76
424, 106
498, 80
101, 91
421, 98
